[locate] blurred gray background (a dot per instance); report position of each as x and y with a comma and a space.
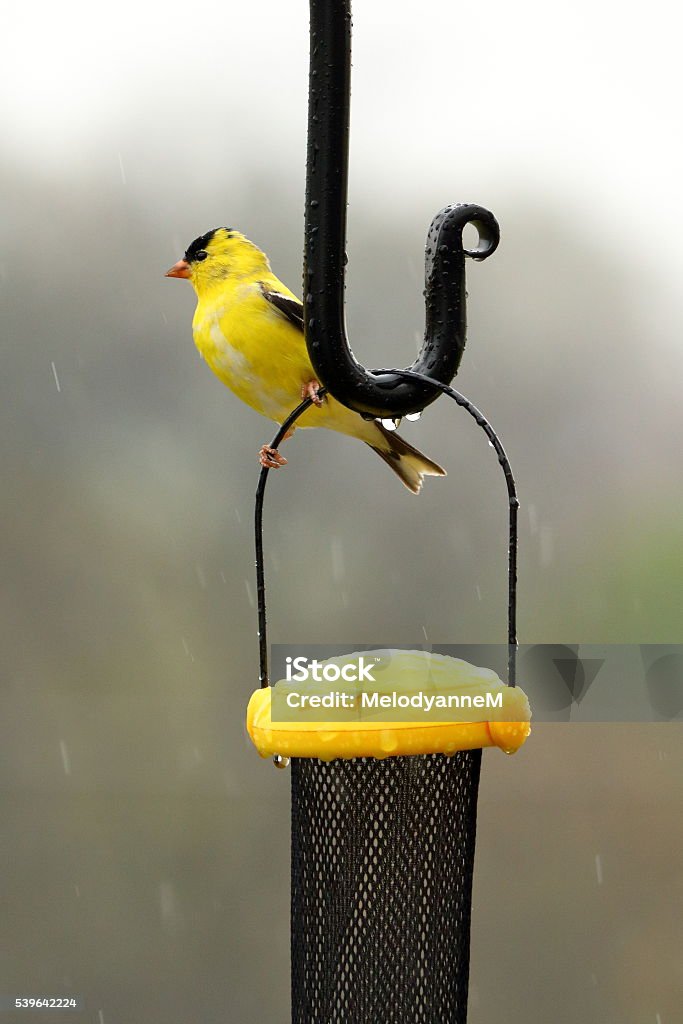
145, 845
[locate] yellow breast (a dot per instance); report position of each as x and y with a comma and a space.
252, 349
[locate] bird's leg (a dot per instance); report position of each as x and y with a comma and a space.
310, 390
271, 457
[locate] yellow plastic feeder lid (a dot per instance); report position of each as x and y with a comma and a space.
387, 703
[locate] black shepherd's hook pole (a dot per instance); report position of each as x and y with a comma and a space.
378, 393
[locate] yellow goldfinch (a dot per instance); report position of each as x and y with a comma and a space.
248, 326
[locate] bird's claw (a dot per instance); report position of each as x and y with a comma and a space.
310, 390
270, 457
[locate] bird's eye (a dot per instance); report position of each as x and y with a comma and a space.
201, 255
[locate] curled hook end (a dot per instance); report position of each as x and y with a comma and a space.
489, 237
447, 229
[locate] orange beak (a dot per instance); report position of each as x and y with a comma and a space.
179, 269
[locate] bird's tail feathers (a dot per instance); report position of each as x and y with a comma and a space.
409, 464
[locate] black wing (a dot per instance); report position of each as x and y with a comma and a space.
291, 308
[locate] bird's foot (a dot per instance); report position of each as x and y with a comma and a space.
270, 457
310, 390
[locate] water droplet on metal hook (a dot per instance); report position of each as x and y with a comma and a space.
413, 416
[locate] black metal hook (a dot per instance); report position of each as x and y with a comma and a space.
373, 393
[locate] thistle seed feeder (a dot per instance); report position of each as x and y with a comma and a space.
383, 822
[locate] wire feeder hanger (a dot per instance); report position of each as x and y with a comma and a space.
383, 393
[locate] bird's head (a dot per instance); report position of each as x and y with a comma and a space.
219, 254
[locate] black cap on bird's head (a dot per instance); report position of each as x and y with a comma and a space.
198, 247
196, 252
216, 255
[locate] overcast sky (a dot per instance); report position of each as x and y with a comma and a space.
579, 102
568, 110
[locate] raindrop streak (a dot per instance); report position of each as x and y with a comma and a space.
121, 168
201, 576
547, 546
66, 761
478, 590
237, 515
167, 902
533, 520
658, 1019
54, 374
598, 867
250, 596
424, 630
77, 890
101, 1016
223, 576
338, 572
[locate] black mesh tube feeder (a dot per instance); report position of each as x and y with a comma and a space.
382, 846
